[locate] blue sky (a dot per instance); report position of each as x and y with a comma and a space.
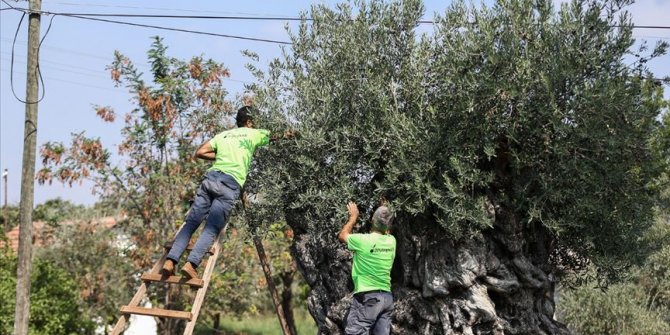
75, 53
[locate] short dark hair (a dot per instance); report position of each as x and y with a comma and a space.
244, 114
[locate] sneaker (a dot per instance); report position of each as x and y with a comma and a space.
188, 271
168, 268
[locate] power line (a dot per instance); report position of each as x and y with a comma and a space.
155, 8
78, 84
37, 68
208, 17
180, 30
144, 66
658, 37
55, 63
62, 50
74, 15
99, 74
239, 17
95, 17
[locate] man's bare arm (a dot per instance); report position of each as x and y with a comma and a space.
206, 152
349, 226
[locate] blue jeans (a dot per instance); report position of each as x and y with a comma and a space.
370, 310
215, 199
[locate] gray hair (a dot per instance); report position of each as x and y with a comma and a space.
382, 219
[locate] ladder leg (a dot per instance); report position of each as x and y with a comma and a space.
123, 320
120, 325
191, 317
200, 295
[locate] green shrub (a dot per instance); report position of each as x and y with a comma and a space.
54, 306
618, 310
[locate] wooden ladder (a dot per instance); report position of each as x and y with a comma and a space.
154, 275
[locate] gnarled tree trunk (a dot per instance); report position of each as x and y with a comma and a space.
493, 283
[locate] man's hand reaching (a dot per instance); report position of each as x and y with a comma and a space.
353, 210
349, 226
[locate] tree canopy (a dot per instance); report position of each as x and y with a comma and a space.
516, 112
55, 302
513, 143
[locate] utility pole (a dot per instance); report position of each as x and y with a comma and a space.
24, 266
5, 209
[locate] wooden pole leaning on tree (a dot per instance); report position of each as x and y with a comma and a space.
265, 264
262, 256
22, 311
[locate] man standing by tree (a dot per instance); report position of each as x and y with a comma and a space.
231, 152
371, 272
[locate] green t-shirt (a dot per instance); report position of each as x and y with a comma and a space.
234, 149
373, 259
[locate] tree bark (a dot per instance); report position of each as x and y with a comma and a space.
22, 311
493, 283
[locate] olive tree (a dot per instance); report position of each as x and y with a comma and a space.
511, 142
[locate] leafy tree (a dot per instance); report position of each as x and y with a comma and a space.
96, 258
54, 211
654, 278
54, 301
184, 106
639, 305
618, 310
239, 287
178, 107
12, 217
654, 275
513, 144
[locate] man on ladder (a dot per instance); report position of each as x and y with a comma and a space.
231, 152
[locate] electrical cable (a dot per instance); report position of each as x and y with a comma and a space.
95, 17
208, 17
67, 51
80, 4
38, 73
77, 83
75, 15
178, 29
235, 17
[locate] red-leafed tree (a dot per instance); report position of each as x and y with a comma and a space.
178, 107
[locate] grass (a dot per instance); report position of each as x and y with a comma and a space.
260, 325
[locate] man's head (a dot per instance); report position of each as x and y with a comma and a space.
382, 220
245, 117
248, 98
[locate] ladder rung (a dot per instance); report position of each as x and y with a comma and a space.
163, 313
190, 245
195, 282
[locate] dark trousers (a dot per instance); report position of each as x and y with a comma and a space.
370, 310
215, 199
